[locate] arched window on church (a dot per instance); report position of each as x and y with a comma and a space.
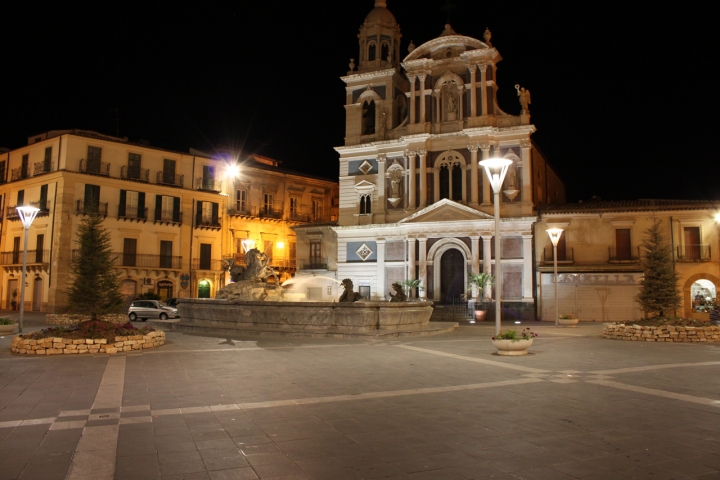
372, 52
444, 182
368, 118
365, 204
457, 183
384, 51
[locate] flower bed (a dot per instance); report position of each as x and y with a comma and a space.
95, 336
661, 333
67, 319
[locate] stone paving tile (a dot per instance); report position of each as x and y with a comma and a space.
234, 474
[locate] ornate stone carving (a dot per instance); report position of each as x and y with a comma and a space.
352, 64
382, 157
525, 143
482, 66
473, 147
364, 252
422, 152
365, 167
484, 146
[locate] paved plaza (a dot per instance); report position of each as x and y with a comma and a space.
435, 408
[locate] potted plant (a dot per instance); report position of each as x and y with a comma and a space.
480, 281
512, 342
567, 321
7, 326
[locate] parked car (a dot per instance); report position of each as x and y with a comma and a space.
145, 309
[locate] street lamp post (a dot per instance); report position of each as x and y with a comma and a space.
555, 238
496, 168
27, 215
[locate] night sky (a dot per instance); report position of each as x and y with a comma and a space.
625, 98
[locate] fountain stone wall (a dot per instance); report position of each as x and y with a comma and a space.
361, 318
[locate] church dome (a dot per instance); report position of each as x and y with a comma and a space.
380, 14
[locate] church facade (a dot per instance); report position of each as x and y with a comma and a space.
414, 203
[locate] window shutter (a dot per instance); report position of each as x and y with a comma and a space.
176, 209
141, 205
158, 207
215, 213
198, 216
121, 207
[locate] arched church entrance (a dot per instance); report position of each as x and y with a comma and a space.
452, 275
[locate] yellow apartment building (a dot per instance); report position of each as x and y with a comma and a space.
176, 220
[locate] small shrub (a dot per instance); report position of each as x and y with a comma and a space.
514, 335
6, 321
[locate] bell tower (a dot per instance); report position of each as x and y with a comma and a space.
379, 40
375, 104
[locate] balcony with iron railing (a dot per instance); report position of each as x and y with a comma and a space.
168, 216
140, 174
623, 255
208, 264
128, 212
91, 207
18, 174
98, 168
34, 257
167, 179
564, 256
271, 210
208, 184
242, 208
12, 214
314, 264
214, 224
42, 167
693, 253
142, 260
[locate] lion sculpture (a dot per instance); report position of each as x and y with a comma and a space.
349, 295
399, 295
256, 267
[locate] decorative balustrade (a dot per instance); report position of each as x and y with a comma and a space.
141, 174
623, 255
693, 253
166, 179
209, 184
98, 168
88, 208
33, 257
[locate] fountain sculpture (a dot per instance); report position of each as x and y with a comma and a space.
251, 305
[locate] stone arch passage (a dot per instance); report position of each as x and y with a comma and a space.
687, 287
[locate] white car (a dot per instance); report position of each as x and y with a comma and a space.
145, 309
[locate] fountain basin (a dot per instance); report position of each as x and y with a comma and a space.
315, 319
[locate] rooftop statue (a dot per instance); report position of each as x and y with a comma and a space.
524, 97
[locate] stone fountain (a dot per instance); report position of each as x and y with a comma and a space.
251, 305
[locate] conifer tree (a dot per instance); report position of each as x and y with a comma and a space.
95, 287
658, 292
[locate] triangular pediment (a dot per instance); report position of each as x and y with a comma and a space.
446, 211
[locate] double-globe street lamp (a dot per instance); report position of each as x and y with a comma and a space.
496, 168
555, 238
27, 215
